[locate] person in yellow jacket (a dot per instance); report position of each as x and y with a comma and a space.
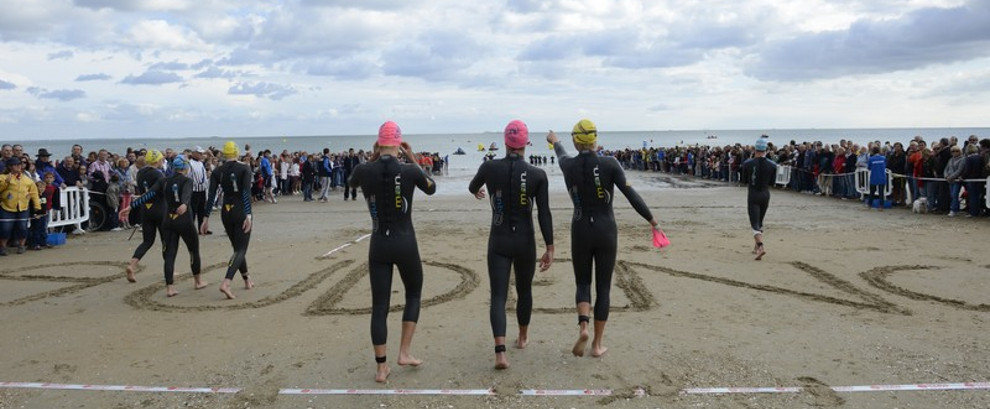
18, 197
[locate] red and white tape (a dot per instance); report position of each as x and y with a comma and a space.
487, 392
859, 388
456, 392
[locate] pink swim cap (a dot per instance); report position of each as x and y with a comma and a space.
516, 134
389, 134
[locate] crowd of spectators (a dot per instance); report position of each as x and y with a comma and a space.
946, 172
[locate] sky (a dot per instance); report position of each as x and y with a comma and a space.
193, 68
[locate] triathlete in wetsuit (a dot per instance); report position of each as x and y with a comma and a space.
590, 181
178, 223
514, 186
388, 186
758, 173
235, 179
152, 212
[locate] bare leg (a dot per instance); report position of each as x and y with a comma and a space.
597, 349
408, 329
225, 289
381, 373
760, 251
131, 268
523, 339
501, 361
200, 283
583, 309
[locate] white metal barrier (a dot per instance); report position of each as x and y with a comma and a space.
783, 175
75, 209
863, 181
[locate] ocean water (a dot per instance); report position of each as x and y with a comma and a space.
462, 167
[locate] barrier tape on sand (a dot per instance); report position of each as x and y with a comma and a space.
486, 392
345, 245
859, 388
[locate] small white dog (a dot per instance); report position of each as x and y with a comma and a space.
920, 205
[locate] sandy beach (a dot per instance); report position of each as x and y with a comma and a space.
845, 296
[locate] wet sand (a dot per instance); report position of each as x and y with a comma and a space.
845, 296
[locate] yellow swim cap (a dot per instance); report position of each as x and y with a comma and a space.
230, 150
153, 156
584, 132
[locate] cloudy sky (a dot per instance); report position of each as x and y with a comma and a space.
172, 68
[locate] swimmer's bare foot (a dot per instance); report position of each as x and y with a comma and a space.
225, 289
382, 374
248, 284
406, 359
760, 252
598, 351
200, 284
130, 273
581, 343
501, 361
521, 343
170, 291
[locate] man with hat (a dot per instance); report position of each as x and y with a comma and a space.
44, 165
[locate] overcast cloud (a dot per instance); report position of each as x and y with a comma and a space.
230, 67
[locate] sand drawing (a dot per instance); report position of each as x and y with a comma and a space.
327, 303
83, 282
147, 298
877, 277
626, 278
869, 301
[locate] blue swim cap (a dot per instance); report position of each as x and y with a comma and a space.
761, 144
180, 163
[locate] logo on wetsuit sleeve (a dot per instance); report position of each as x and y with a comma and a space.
523, 199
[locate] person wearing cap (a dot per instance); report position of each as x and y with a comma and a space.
591, 181
18, 198
513, 187
44, 165
388, 186
235, 179
177, 223
758, 173
152, 213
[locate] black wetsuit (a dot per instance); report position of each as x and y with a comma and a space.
513, 187
388, 187
758, 174
152, 212
176, 190
235, 180
590, 182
